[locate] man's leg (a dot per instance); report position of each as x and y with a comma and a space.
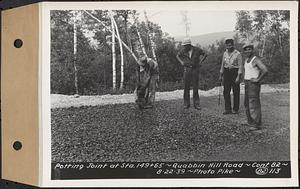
236, 92
141, 96
142, 89
152, 89
246, 103
254, 104
187, 84
196, 99
226, 92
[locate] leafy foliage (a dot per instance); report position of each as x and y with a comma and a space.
269, 30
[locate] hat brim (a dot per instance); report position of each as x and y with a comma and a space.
247, 46
229, 40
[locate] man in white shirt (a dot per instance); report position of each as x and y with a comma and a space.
255, 71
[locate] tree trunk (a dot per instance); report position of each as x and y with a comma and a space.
104, 68
136, 23
113, 50
247, 36
280, 42
141, 42
271, 54
150, 37
128, 38
108, 29
121, 52
75, 54
263, 47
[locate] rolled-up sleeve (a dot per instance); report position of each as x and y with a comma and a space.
222, 65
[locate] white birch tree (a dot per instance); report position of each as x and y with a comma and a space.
113, 50
142, 46
108, 29
75, 17
121, 53
152, 44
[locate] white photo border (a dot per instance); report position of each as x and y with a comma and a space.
45, 104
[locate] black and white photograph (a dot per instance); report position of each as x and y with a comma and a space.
170, 93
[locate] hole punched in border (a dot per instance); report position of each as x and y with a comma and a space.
18, 43
17, 145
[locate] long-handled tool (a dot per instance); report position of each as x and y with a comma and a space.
220, 91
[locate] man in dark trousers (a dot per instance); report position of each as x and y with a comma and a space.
147, 78
231, 73
191, 58
255, 71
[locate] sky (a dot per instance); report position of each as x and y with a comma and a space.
201, 22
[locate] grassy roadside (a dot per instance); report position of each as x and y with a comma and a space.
169, 133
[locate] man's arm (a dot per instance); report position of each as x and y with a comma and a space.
241, 67
179, 59
263, 71
203, 58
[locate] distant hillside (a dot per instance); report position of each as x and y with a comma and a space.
208, 39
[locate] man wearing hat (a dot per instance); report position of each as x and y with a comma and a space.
147, 77
230, 74
191, 58
255, 71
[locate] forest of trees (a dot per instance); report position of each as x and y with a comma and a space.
87, 57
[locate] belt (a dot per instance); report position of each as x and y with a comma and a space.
230, 68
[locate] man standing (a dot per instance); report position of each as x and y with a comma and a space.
255, 71
147, 78
191, 58
231, 72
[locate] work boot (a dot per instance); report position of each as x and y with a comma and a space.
197, 107
186, 106
256, 129
235, 112
148, 106
141, 103
227, 112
